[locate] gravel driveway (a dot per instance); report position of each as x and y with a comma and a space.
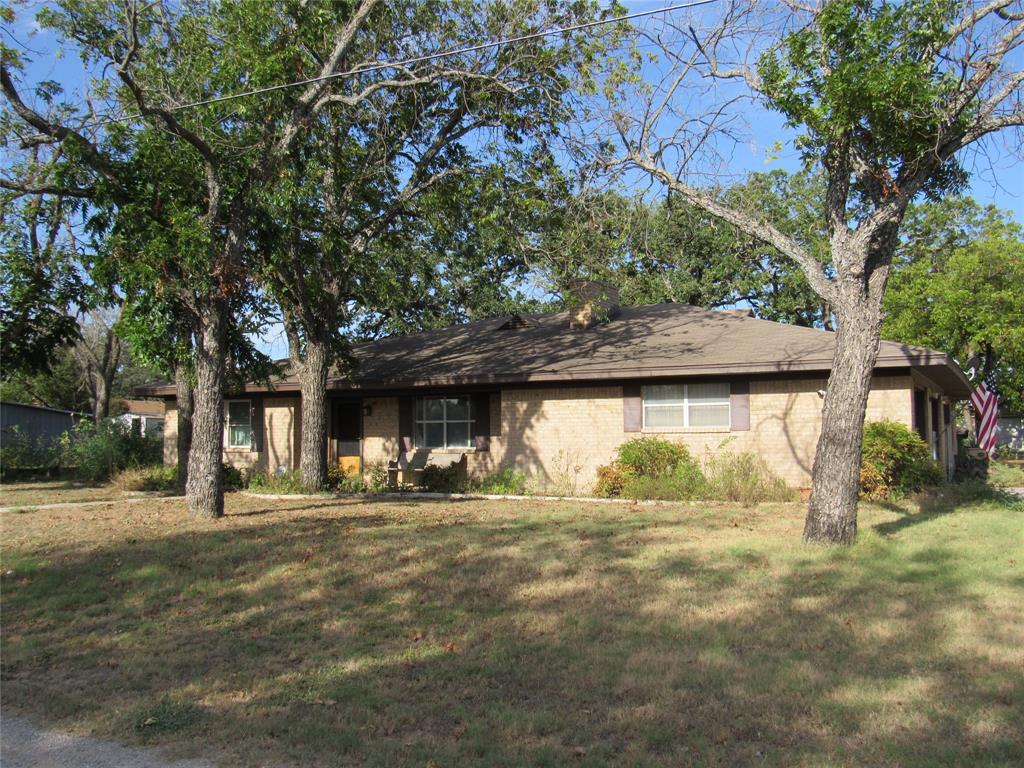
24, 745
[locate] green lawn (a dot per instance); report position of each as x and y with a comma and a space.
424, 633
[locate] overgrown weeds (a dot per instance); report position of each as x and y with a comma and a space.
651, 468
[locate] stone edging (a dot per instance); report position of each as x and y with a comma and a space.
398, 495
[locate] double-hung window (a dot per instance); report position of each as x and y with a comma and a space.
444, 422
680, 406
239, 424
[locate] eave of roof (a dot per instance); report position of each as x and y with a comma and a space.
643, 342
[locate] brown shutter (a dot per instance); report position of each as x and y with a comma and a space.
739, 405
256, 421
482, 422
632, 408
406, 404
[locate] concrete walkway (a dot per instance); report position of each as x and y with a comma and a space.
24, 745
65, 504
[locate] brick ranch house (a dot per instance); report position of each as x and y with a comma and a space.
554, 395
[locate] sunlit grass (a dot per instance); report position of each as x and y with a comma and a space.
493, 633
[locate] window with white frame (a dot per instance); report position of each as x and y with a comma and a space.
675, 406
443, 422
239, 423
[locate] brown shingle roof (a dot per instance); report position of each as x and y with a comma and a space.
659, 340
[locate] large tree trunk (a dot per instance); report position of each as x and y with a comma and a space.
183, 380
311, 369
204, 490
835, 483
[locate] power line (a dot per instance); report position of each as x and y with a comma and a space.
420, 59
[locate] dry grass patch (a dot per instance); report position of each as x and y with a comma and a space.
495, 633
31, 493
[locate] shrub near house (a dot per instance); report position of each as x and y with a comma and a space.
657, 469
895, 461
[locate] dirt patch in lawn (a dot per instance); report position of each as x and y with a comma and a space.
326, 632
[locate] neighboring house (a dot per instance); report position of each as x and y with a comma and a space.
1010, 431
555, 395
41, 423
144, 416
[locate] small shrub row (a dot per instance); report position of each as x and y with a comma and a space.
154, 479
507, 482
97, 452
652, 468
437, 479
22, 454
276, 482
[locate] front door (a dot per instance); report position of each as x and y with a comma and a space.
348, 433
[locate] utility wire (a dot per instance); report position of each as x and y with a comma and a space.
420, 59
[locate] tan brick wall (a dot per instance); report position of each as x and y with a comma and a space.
560, 436
280, 434
380, 431
171, 434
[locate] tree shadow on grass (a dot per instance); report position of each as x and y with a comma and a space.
943, 501
335, 639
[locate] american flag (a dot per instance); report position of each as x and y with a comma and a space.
986, 405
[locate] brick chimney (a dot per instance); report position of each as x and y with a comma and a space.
591, 302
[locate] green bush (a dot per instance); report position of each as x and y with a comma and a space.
684, 483
612, 479
345, 482
438, 479
651, 468
235, 479
378, 473
148, 479
743, 478
508, 482
652, 456
97, 452
895, 461
22, 453
284, 482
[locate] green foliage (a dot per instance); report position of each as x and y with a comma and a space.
1001, 474
277, 482
378, 474
507, 482
864, 74
41, 288
651, 468
611, 479
685, 481
744, 478
161, 478
96, 452
669, 474
958, 286
895, 461
437, 479
345, 482
22, 453
652, 456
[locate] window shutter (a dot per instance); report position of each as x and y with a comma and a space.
739, 405
406, 404
256, 422
632, 408
482, 422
